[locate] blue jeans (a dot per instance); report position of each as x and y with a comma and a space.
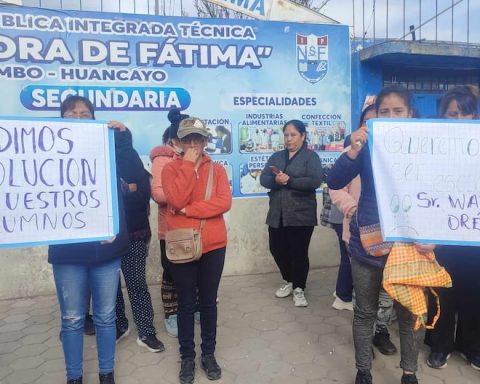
73, 283
385, 312
367, 281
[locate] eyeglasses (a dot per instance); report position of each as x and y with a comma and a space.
81, 115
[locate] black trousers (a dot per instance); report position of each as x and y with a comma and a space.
458, 327
289, 248
202, 276
344, 286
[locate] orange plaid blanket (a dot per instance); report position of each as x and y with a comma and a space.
406, 275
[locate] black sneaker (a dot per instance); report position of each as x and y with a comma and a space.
437, 360
383, 343
151, 343
474, 361
89, 327
75, 381
106, 378
211, 368
122, 334
409, 379
187, 371
363, 377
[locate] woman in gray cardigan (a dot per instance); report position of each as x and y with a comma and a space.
292, 175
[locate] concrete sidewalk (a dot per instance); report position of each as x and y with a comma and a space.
261, 339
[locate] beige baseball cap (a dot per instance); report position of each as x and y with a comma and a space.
191, 125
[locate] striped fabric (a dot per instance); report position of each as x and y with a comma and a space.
406, 275
372, 240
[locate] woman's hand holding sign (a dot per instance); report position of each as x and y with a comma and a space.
358, 139
117, 125
424, 248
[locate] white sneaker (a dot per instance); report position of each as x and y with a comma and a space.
284, 290
340, 304
299, 298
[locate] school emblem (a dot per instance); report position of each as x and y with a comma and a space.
312, 57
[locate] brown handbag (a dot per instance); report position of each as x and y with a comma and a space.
184, 245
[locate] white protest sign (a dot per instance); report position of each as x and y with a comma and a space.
57, 182
427, 179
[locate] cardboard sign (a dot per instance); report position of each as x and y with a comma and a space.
57, 182
427, 179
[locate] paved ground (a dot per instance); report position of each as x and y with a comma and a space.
261, 339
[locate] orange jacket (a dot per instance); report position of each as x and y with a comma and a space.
185, 187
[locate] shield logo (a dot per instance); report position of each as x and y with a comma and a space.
312, 57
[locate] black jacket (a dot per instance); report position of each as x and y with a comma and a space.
294, 204
131, 171
91, 253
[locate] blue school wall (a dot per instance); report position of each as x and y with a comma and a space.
428, 69
366, 80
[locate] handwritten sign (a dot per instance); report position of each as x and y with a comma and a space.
57, 182
427, 179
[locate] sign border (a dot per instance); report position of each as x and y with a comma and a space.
113, 181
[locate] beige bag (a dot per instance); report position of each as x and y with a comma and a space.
184, 245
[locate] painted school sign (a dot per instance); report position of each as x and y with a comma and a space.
244, 78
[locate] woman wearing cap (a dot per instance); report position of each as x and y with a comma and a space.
185, 182
161, 156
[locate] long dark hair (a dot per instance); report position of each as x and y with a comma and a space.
465, 97
398, 90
